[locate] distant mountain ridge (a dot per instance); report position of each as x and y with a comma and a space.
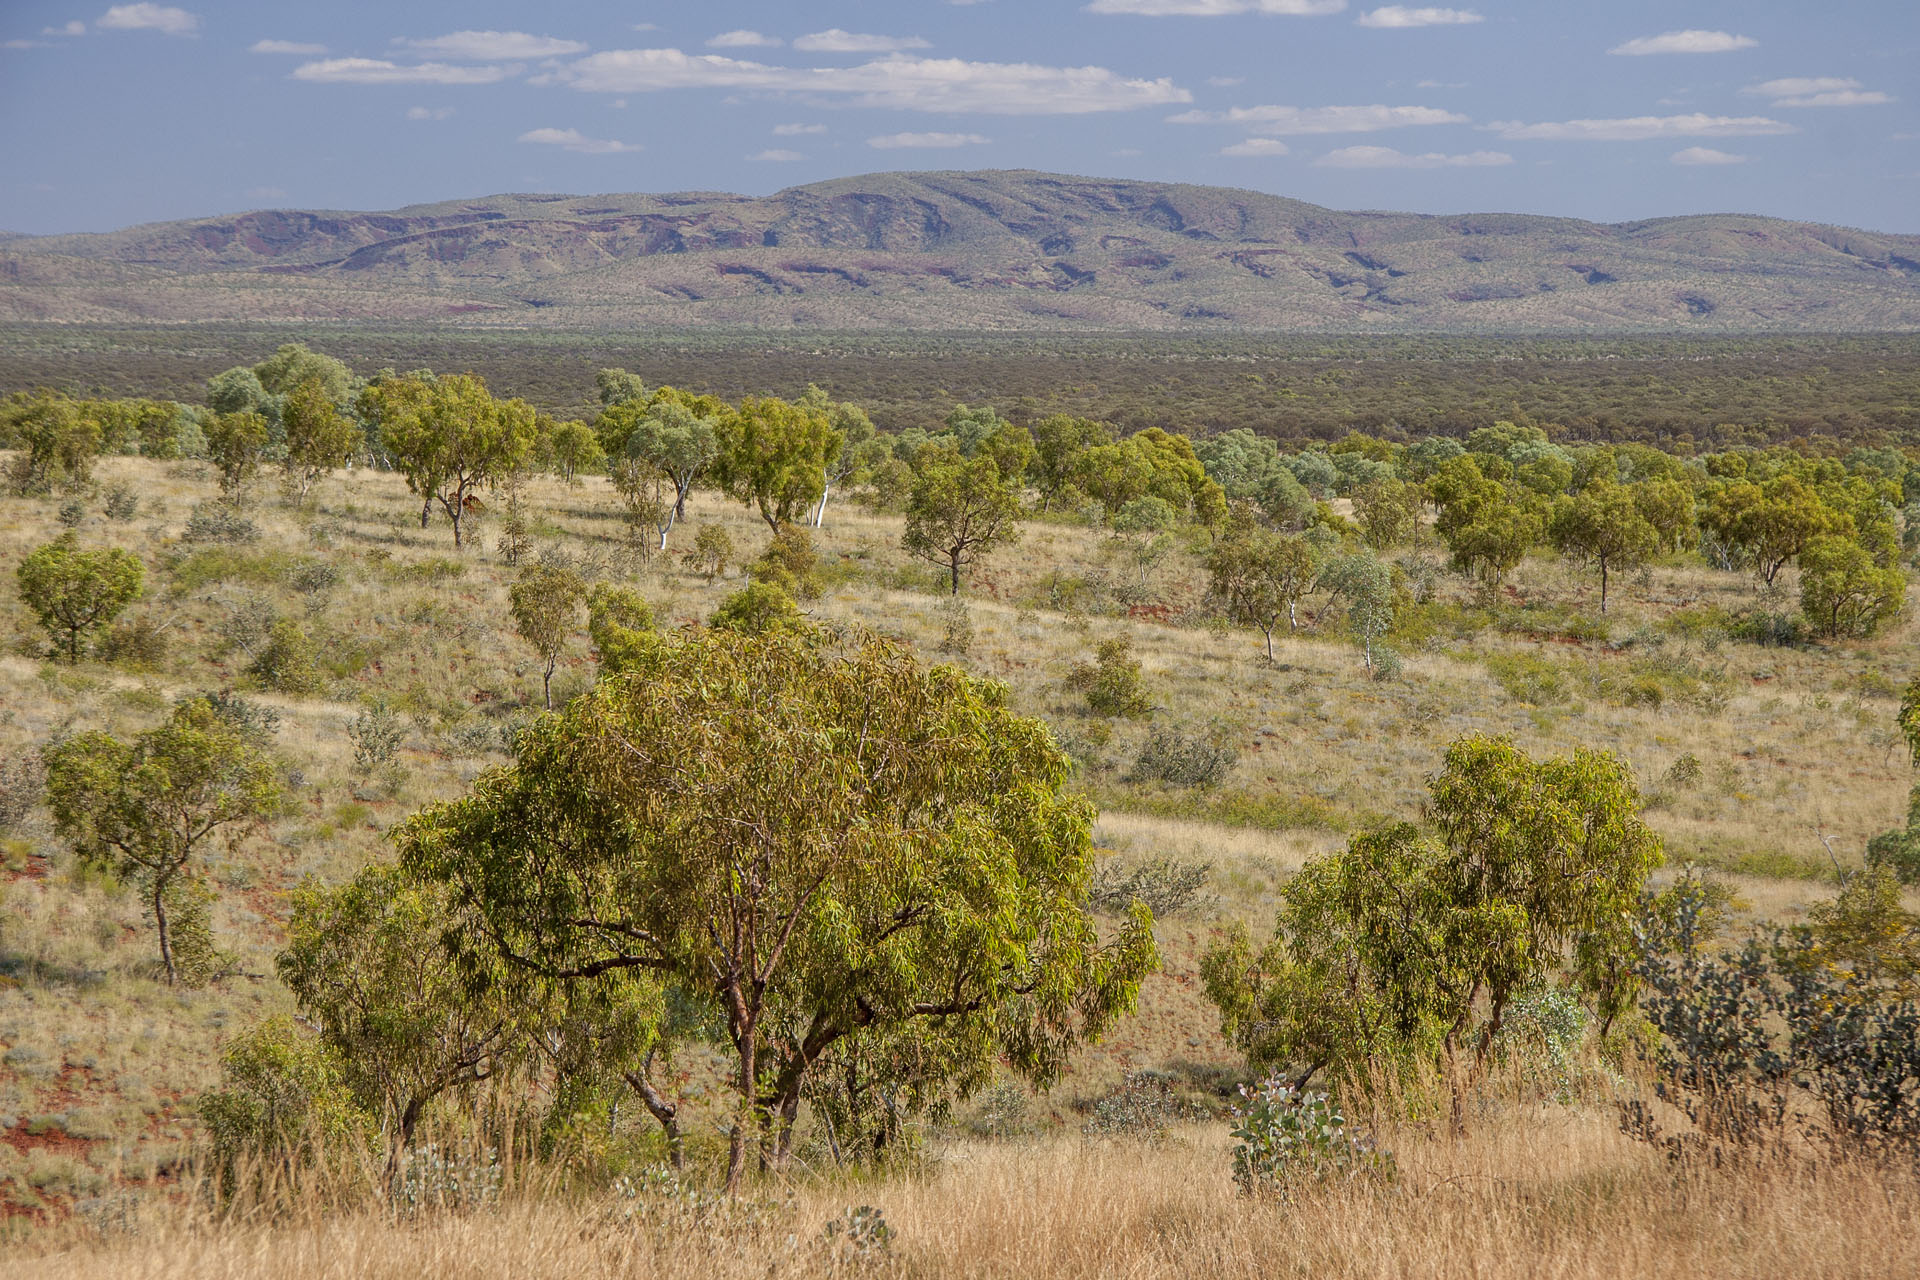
957, 250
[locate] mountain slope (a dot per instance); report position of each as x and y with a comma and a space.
1013, 250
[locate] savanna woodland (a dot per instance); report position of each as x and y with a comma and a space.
734, 827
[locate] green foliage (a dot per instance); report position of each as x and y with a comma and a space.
545, 603
237, 444
959, 512
1288, 1139
449, 437
620, 623
59, 439
773, 456
1365, 584
789, 563
282, 1102
758, 609
711, 552
874, 850
1843, 593
1112, 682
575, 448
1409, 949
1142, 1105
319, 437
392, 1004
289, 661
1164, 886
1487, 531
1770, 522
376, 732
1604, 525
76, 593
1171, 756
145, 808
1258, 575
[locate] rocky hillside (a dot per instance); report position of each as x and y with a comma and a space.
936, 251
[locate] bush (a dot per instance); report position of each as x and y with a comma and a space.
282, 1101
1289, 1138
1771, 630
288, 663
1112, 682
790, 564
1528, 678
1163, 885
136, 643
1172, 756
711, 552
376, 734
758, 609
219, 522
257, 721
23, 783
956, 636
72, 513
1143, 1105
121, 504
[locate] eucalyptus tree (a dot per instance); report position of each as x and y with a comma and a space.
826, 841
960, 511
450, 438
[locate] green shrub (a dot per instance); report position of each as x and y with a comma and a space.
288, 663
758, 609
1164, 885
376, 734
282, 1101
219, 522
1528, 678
1171, 756
1112, 682
1142, 1105
1288, 1138
136, 643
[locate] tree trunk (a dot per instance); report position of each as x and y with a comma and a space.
546, 686
426, 512
667, 1113
743, 1117
1293, 623
160, 924
1269, 631
953, 568
1603, 584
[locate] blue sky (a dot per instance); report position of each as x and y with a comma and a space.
117, 114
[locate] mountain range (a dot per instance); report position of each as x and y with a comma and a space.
1006, 250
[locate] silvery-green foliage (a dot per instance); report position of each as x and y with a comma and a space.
1288, 1137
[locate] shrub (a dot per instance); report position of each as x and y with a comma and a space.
254, 719
72, 513
758, 609
1163, 884
315, 580
1289, 1137
432, 1178
135, 643
1770, 630
1172, 756
1142, 1105
790, 564
1528, 678
121, 504
74, 592
219, 522
711, 552
376, 734
288, 662
282, 1101
956, 635
1112, 682
23, 782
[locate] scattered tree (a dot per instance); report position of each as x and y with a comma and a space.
773, 456
76, 593
1843, 592
1603, 524
960, 512
1259, 575
450, 438
545, 603
146, 808
319, 437
237, 444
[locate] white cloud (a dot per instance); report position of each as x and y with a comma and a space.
429, 113
1388, 158
898, 141
1706, 155
1289, 121
897, 81
1639, 128
165, 19
838, 41
494, 46
744, 40
1217, 8
575, 141
1818, 91
379, 71
23, 44
1684, 42
776, 155
74, 28
1257, 147
1399, 15
285, 46
1225, 82
797, 130
1440, 84
646, 26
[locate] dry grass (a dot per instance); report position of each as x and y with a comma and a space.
1544, 1192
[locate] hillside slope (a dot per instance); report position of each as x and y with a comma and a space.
1009, 250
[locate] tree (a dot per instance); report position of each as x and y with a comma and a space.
1259, 575
1114, 474
406, 1020
959, 512
238, 390
828, 844
76, 593
319, 437
759, 609
773, 456
712, 551
1388, 512
575, 449
450, 438
620, 624
1409, 947
60, 439
853, 453
1060, 444
1772, 522
294, 363
1843, 592
1603, 524
545, 601
1366, 584
1487, 533
678, 444
146, 808
237, 444
1145, 526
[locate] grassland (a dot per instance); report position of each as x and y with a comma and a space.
100, 1061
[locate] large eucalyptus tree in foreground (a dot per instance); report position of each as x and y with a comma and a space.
828, 841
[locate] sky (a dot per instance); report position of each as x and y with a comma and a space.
112, 115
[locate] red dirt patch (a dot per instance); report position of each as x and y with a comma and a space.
55, 1140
